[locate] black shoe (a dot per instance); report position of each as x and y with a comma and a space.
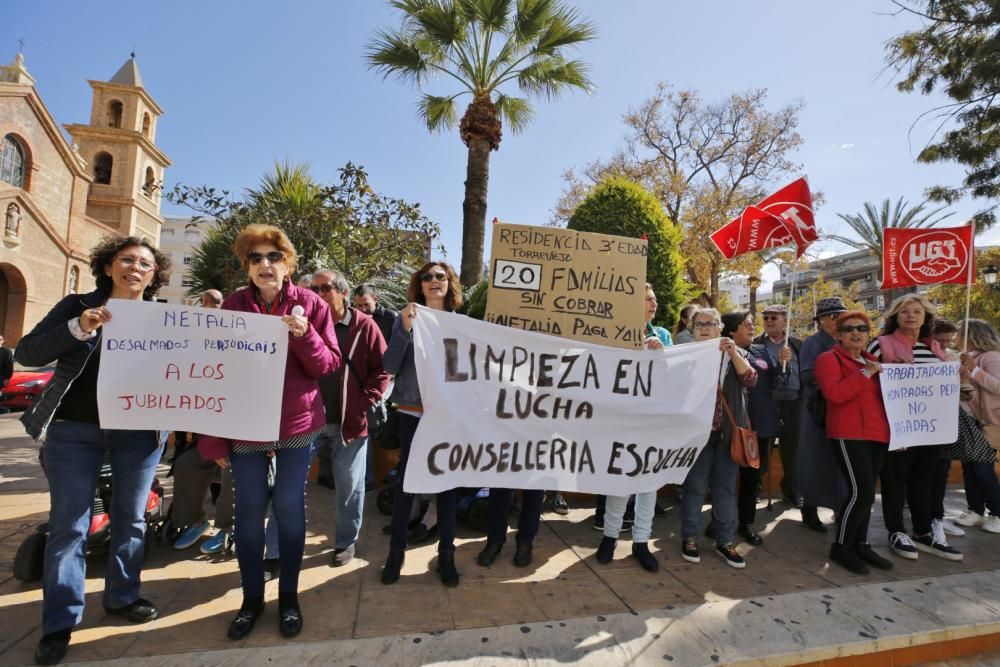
872, 557
710, 530
559, 504
750, 535
325, 480
393, 564
140, 611
794, 501
271, 568
52, 647
489, 554
659, 510
598, 522
810, 519
290, 623
640, 551
848, 558
446, 568
522, 556
421, 533
606, 550
241, 626
342, 557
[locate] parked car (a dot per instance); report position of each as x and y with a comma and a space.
25, 386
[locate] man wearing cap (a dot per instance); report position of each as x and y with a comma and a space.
820, 482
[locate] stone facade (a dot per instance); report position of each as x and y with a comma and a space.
179, 236
54, 211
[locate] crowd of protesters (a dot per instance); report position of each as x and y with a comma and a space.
817, 400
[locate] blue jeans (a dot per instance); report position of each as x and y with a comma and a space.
74, 454
288, 499
527, 521
614, 515
349, 464
714, 465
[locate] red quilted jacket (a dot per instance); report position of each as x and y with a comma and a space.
854, 409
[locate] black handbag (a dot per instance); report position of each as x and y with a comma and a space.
972, 444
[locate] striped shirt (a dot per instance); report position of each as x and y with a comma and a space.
922, 354
291, 442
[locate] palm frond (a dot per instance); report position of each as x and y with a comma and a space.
438, 112
564, 28
442, 22
531, 18
549, 76
516, 112
393, 53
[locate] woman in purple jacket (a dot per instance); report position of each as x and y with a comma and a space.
269, 259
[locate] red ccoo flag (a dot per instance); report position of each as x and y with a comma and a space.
782, 218
927, 256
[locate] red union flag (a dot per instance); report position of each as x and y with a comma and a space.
927, 256
782, 218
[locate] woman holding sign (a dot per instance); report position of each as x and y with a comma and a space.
436, 286
75, 445
859, 433
269, 259
908, 474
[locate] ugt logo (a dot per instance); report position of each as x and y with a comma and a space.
934, 257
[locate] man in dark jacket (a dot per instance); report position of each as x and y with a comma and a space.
366, 300
348, 394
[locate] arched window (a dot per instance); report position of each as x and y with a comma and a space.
115, 114
149, 184
146, 122
12, 162
102, 168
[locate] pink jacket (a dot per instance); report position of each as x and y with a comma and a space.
897, 348
310, 357
986, 378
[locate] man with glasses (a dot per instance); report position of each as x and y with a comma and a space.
348, 394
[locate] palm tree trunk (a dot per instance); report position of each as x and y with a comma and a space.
477, 178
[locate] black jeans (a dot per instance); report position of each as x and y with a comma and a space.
527, 520
982, 489
746, 500
939, 487
790, 413
861, 461
907, 477
402, 503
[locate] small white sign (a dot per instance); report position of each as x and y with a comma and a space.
921, 403
508, 274
203, 370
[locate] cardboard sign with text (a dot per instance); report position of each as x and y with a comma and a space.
579, 285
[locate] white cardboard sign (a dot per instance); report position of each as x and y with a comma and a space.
186, 368
921, 403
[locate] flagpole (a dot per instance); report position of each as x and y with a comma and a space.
968, 289
788, 321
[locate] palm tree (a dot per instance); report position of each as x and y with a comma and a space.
481, 45
870, 225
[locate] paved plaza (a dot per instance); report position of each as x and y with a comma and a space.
788, 606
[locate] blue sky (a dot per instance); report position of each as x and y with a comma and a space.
246, 83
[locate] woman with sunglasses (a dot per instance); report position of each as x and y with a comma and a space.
859, 433
76, 445
435, 286
269, 259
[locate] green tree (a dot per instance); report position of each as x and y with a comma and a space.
348, 226
985, 300
869, 226
957, 50
480, 46
804, 305
624, 208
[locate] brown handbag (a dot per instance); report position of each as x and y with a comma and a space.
743, 445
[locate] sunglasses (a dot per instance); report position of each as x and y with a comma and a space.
860, 328
439, 276
273, 257
771, 318
325, 288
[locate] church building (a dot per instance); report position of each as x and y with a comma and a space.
59, 197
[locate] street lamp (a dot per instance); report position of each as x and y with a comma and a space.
990, 273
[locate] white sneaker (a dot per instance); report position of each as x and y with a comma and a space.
992, 524
969, 519
947, 527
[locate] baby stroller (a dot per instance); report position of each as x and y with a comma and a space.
472, 503
30, 557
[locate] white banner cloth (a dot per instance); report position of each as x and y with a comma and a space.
184, 368
921, 403
514, 409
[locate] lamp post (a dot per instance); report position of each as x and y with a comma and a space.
990, 274
753, 282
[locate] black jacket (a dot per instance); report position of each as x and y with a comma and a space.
6, 365
384, 318
51, 341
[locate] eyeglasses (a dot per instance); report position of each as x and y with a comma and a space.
325, 288
439, 276
771, 318
273, 257
706, 325
144, 264
860, 328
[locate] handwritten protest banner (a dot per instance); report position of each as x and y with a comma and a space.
517, 409
203, 370
579, 285
921, 402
